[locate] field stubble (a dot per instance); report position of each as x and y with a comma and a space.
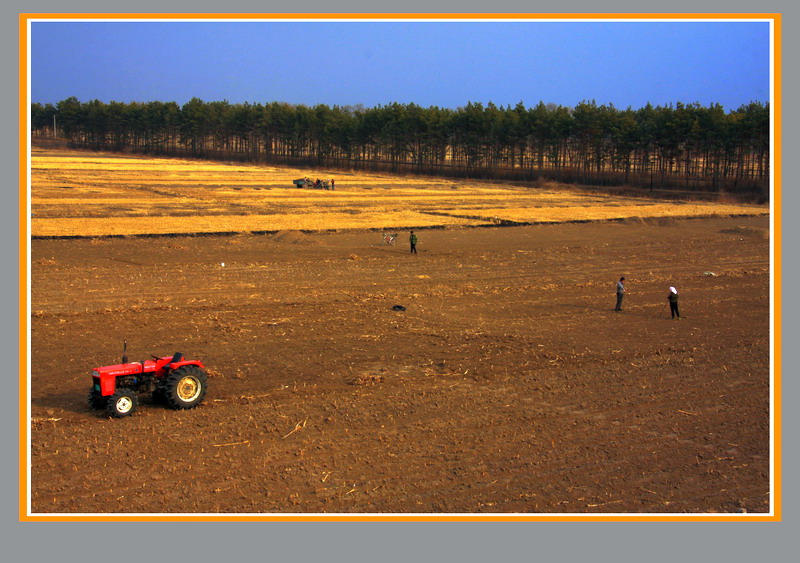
507, 385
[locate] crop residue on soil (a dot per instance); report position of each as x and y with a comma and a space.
507, 385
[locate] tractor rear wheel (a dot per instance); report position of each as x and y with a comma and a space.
96, 400
186, 387
122, 403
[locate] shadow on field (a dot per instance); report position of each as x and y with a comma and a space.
78, 403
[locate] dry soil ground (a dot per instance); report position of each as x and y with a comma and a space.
508, 384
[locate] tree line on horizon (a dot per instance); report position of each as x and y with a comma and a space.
681, 146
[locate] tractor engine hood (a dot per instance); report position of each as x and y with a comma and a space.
124, 369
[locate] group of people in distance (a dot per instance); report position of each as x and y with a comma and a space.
325, 184
389, 238
317, 184
672, 299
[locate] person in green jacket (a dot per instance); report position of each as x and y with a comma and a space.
413, 240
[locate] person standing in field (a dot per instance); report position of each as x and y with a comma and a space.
620, 293
333, 184
673, 303
412, 238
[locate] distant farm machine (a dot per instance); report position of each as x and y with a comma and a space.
172, 380
314, 184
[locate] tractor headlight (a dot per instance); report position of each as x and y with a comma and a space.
95, 373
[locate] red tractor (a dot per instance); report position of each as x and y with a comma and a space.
173, 380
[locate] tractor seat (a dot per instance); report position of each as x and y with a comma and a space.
176, 358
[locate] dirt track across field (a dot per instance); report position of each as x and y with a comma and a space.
507, 385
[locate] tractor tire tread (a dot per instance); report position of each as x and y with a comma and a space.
111, 405
173, 380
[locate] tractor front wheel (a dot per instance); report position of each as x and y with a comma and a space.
122, 403
186, 387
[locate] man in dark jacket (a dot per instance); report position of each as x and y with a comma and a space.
673, 303
620, 294
413, 240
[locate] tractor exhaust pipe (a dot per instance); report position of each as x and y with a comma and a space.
124, 351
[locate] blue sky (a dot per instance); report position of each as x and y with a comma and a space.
440, 63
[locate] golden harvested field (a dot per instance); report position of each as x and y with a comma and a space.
96, 194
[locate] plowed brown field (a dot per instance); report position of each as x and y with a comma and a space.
508, 384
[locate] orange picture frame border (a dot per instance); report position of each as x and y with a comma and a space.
24, 275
